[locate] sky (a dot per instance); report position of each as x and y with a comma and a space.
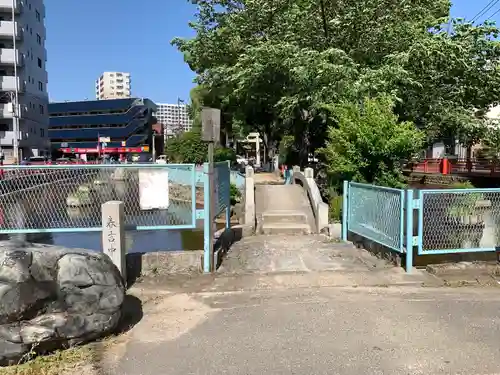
86, 38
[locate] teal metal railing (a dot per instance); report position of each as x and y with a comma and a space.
377, 213
68, 198
444, 221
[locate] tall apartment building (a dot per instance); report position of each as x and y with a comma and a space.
112, 85
23, 79
174, 117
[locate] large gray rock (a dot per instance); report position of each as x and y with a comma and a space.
52, 297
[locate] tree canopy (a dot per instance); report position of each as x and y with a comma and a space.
292, 68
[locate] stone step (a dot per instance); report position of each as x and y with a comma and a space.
284, 216
285, 228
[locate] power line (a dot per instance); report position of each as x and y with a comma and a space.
494, 14
485, 9
488, 6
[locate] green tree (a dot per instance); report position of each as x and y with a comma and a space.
279, 67
277, 87
369, 143
186, 148
491, 144
189, 148
456, 75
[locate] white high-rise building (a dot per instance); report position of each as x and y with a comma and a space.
23, 79
174, 117
112, 85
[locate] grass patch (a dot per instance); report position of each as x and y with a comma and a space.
335, 208
334, 240
59, 363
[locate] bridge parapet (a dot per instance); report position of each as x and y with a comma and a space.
320, 209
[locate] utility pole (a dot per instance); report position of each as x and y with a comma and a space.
15, 97
179, 101
153, 145
210, 120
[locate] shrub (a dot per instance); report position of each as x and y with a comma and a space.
335, 208
235, 194
224, 153
462, 185
368, 143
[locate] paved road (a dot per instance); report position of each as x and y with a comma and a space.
364, 330
306, 306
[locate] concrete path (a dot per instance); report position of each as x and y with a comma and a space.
394, 330
267, 178
265, 254
283, 209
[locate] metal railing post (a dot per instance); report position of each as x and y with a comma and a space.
345, 208
409, 230
207, 221
228, 197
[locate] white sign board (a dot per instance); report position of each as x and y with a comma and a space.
153, 189
104, 139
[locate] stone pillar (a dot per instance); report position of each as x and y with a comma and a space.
113, 234
249, 197
257, 152
295, 169
309, 173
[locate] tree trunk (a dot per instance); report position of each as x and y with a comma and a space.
469, 158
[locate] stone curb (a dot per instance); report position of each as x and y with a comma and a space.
464, 268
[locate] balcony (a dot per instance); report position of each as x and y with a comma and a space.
6, 30
6, 111
8, 56
6, 5
8, 83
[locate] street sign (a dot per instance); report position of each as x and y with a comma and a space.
210, 124
124, 143
104, 139
64, 144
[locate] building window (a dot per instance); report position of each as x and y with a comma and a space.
39, 62
31, 31
42, 111
38, 18
42, 132
40, 85
38, 39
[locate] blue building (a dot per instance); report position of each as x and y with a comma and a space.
122, 125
